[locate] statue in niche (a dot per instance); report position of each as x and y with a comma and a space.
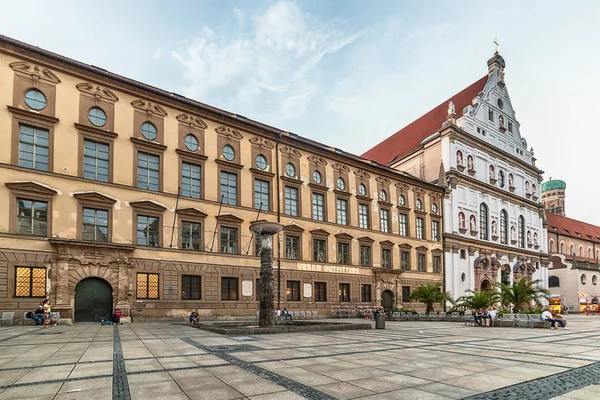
473, 223
513, 233
494, 228
470, 163
451, 108
511, 180
459, 158
461, 220
528, 237
527, 187
533, 190
501, 121
492, 172
535, 239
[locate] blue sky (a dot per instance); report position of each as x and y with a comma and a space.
350, 73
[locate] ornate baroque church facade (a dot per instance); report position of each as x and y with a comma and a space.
494, 224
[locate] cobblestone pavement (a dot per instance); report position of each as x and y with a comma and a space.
174, 361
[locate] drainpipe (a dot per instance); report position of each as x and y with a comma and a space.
279, 221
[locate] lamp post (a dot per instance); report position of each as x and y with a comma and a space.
264, 231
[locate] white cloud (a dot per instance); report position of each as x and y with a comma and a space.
270, 71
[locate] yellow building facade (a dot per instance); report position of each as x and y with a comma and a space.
117, 194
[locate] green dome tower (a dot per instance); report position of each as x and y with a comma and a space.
553, 196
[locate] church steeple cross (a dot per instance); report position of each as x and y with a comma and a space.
497, 44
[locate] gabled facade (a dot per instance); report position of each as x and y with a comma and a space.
493, 220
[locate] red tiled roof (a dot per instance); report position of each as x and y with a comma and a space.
571, 227
410, 137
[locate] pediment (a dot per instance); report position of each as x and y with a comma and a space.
192, 212
437, 251
344, 236
149, 107
422, 248
293, 228
148, 205
191, 121
94, 197
405, 246
231, 218
319, 232
386, 243
34, 71
365, 239
32, 187
229, 133
97, 91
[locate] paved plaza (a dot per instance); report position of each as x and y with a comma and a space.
174, 361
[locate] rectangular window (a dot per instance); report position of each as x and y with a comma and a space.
421, 266
190, 180
386, 258
148, 171
463, 254
343, 256
291, 201
437, 264
365, 256
190, 287
319, 250
491, 115
403, 219
292, 247
344, 293
341, 207
510, 126
30, 282
420, 230
384, 220
405, 260
95, 225
229, 188
147, 231
363, 216
292, 292
95, 160
365, 293
320, 291
318, 206
229, 289
32, 217
406, 294
190, 235
229, 240
435, 231
33, 147
261, 195
147, 286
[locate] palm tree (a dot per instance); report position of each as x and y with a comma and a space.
521, 294
430, 294
477, 299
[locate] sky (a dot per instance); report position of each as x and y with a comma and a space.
350, 73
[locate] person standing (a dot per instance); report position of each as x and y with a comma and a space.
47, 310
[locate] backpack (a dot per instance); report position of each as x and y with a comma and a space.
29, 315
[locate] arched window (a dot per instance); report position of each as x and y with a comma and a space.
553, 281
562, 247
522, 232
589, 252
597, 254
503, 227
572, 250
483, 222
580, 251
552, 208
551, 246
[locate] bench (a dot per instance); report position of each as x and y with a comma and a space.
536, 319
7, 317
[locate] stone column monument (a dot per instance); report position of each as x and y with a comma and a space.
264, 231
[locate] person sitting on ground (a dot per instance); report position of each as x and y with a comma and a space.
480, 315
287, 314
38, 315
194, 317
116, 318
547, 316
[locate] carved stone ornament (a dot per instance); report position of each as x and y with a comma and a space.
403, 187
97, 91
435, 195
290, 151
418, 190
383, 180
262, 143
341, 167
362, 174
229, 133
317, 160
191, 121
149, 107
35, 72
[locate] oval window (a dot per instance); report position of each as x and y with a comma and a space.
418, 204
362, 189
261, 162
97, 116
341, 185
316, 176
402, 200
434, 208
383, 195
583, 279
594, 280
228, 153
290, 170
191, 143
149, 130
463, 277
35, 99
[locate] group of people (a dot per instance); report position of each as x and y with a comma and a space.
283, 313
41, 315
486, 317
553, 319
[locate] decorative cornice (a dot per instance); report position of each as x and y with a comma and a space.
290, 151
96, 131
229, 218
262, 143
362, 174
386, 243
192, 212
365, 239
191, 155
383, 180
191, 121
97, 91
149, 107
319, 232
34, 71
148, 144
30, 186
343, 236
148, 205
403, 187
419, 191
33, 114
317, 160
293, 228
341, 167
229, 164
229, 133
94, 197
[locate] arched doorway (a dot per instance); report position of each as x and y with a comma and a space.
387, 300
93, 300
485, 285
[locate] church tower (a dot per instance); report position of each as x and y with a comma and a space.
553, 196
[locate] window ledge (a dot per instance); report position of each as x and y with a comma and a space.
33, 114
